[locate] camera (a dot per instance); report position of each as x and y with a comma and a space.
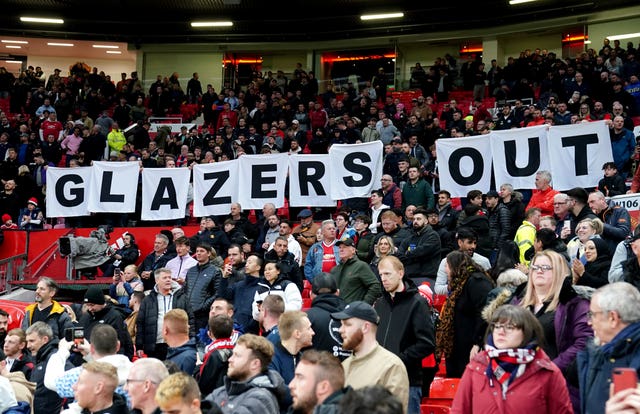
75, 335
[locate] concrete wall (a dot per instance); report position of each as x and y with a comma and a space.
597, 32
208, 66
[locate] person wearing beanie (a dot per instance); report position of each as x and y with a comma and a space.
31, 217
99, 311
7, 222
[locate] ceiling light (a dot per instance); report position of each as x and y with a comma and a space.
106, 46
13, 47
211, 24
381, 16
623, 36
41, 20
512, 2
114, 52
13, 61
60, 44
19, 42
587, 42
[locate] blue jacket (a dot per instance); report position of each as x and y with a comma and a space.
184, 356
241, 294
596, 363
622, 145
617, 225
313, 263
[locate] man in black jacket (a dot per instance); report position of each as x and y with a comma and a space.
201, 286
325, 301
499, 223
288, 266
42, 344
166, 295
98, 311
420, 253
405, 326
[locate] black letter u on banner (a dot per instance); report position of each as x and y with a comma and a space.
533, 162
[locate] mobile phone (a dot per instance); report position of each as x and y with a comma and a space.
567, 224
75, 335
117, 273
624, 378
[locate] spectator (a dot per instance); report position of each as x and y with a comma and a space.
165, 296
405, 326
596, 271
305, 232
201, 285
370, 364
542, 196
323, 255
526, 234
216, 361
287, 261
122, 257
95, 388
499, 222
175, 332
250, 386
273, 283
144, 377
354, 278
157, 259
612, 184
616, 219
47, 310
15, 357
242, 293
417, 191
614, 314
123, 285
179, 393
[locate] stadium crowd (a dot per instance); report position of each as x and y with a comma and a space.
339, 309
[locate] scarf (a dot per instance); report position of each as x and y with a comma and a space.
222, 343
505, 365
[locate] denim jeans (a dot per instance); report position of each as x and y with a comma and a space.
415, 398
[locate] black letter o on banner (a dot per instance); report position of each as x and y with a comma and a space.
454, 166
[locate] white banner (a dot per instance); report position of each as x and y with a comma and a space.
309, 181
355, 169
217, 186
113, 187
164, 193
577, 153
67, 191
518, 154
464, 164
262, 180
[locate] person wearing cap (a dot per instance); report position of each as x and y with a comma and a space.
305, 232
31, 217
7, 224
405, 327
542, 196
371, 363
326, 299
101, 312
354, 278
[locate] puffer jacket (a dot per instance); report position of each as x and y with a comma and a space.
58, 319
201, 286
617, 224
499, 226
45, 400
260, 394
148, 315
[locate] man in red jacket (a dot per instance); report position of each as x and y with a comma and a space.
542, 196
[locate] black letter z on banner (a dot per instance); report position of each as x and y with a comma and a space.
165, 185
220, 178
580, 143
307, 178
533, 163
78, 193
454, 166
105, 195
363, 170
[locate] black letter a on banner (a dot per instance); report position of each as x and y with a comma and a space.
165, 184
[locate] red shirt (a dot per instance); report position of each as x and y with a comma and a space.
328, 258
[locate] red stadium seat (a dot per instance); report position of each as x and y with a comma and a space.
306, 303
442, 391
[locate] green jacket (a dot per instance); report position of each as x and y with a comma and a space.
418, 194
356, 281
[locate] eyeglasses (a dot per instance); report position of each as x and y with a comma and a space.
507, 327
591, 314
542, 268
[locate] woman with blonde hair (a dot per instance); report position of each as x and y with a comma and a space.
585, 230
384, 247
560, 308
124, 284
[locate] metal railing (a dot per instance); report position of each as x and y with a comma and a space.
11, 268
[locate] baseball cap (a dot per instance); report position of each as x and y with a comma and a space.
358, 309
94, 295
324, 283
305, 213
346, 242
